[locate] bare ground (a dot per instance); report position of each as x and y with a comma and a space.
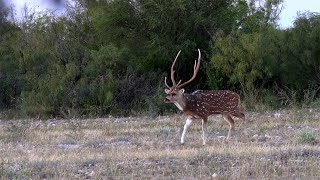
272, 145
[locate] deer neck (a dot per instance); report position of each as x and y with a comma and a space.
181, 103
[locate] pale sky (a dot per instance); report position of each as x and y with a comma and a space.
291, 8
289, 12
37, 5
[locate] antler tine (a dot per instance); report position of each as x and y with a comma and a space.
172, 70
195, 65
195, 70
165, 82
178, 83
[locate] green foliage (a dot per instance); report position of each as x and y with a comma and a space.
246, 58
10, 80
271, 59
154, 105
110, 57
255, 15
241, 59
161, 28
99, 82
302, 53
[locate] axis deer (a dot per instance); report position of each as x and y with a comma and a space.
203, 103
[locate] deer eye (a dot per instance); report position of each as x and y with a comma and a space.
174, 94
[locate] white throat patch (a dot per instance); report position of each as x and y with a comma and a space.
178, 105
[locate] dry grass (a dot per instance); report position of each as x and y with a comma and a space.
143, 148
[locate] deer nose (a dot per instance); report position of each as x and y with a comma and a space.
166, 100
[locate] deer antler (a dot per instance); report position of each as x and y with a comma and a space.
196, 68
172, 70
172, 73
195, 71
165, 82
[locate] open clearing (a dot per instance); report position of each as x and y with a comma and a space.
272, 145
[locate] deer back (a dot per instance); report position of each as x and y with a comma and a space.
205, 103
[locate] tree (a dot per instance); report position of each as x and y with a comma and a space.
161, 28
242, 59
10, 84
301, 47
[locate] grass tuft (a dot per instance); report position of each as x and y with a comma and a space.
306, 137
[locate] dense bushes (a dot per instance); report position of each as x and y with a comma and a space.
110, 57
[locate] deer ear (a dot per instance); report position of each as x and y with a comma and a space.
167, 91
181, 91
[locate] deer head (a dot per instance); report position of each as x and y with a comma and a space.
175, 92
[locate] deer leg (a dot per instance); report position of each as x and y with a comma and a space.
243, 120
241, 116
204, 129
229, 119
185, 128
